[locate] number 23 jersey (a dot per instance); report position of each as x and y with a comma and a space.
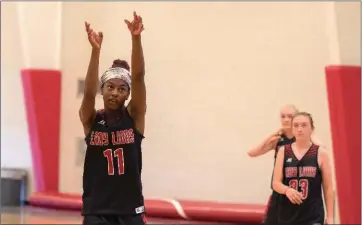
112, 168
305, 176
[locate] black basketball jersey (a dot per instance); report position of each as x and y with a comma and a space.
305, 176
283, 140
112, 168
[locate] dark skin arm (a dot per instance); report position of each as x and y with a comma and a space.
87, 110
137, 106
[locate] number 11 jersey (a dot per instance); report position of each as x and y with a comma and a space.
112, 168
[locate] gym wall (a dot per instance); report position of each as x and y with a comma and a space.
217, 74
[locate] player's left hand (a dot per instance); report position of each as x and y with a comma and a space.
328, 220
136, 26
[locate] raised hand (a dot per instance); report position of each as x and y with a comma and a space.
94, 38
136, 26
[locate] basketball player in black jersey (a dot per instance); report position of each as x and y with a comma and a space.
280, 138
112, 188
301, 170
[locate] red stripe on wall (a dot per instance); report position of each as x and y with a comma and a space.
344, 97
42, 90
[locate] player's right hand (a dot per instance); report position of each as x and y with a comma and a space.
294, 196
279, 132
94, 38
275, 137
273, 140
136, 26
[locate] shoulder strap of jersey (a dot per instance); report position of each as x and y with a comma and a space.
100, 111
128, 115
99, 114
314, 147
288, 147
99, 117
287, 150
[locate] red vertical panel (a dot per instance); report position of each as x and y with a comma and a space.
42, 89
344, 97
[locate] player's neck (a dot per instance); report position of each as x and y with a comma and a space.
303, 144
288, 133
113, 114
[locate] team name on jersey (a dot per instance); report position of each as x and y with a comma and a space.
304, 171
118, 137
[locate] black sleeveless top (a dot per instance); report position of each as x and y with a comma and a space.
283, 140
112, 168
305, 176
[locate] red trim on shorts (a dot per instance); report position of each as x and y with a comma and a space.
144, 218
268, 206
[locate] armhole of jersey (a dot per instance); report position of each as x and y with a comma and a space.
92, 124
287, 147
134, 124
317, 147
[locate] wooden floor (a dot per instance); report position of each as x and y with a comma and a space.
32, 215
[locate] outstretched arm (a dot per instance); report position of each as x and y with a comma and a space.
265, 146
137, 106
87, 110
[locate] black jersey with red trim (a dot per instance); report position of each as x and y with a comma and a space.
305, 176
112, 168
283, 140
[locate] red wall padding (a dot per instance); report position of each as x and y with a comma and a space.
42, 89
167, 208
344, 97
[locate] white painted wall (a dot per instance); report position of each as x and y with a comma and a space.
14, 131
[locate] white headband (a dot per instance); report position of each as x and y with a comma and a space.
116, 72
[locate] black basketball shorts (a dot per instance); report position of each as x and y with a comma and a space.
271, 214
115, 220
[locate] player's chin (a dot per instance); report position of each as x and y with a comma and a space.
301, 136
287, 123
286, 127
